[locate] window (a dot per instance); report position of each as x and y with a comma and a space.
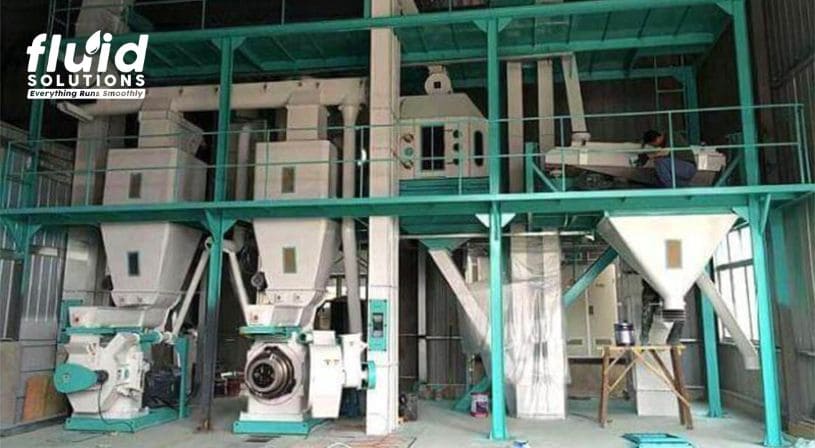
289, 260
478, 148
133, 264
432, 148
134, 189
287, 180
733, 263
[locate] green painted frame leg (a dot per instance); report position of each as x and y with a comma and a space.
182, 347
769, 366
498, 414
217, 226
692, 102
589, 276
769, 375
714, 394
29, 193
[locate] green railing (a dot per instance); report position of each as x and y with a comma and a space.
460, 160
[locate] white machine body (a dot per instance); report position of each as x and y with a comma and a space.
148, 264
442, 135
148, 261
297, 377
619, 160
670, 252
120, 397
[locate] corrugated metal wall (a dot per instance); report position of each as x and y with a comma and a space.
791, 53
30, 317
784, 67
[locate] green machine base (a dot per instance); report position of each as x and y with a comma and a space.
275, 428
95, 424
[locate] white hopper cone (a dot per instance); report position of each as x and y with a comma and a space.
670, 252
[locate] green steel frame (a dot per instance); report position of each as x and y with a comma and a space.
218, 216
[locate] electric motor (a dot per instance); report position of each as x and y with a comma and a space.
270, 374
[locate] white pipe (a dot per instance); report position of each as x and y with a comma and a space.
237, 279
242, 172
259, 95
242, 177
575, 98
196, 279
745, 346
349, 234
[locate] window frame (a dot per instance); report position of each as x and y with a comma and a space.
737, 269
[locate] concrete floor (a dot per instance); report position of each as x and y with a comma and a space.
437, 426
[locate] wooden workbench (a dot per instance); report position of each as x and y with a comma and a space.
639, 354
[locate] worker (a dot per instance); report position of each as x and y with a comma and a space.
684, 163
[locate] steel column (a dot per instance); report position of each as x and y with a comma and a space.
769, 366
709, 339
224, 116
29, 193
498, 415
745, 81
692, 102
217, 227
769, 373
494, 106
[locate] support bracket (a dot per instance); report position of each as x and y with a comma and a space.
726, 6
234, 42
210, 222
484, 218
483, 24
765, 212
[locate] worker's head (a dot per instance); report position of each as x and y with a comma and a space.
652, 138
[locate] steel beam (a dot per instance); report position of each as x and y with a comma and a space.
589, 276
416, 20
554, 48
701, 200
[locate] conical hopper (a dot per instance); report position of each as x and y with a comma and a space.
670, 252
